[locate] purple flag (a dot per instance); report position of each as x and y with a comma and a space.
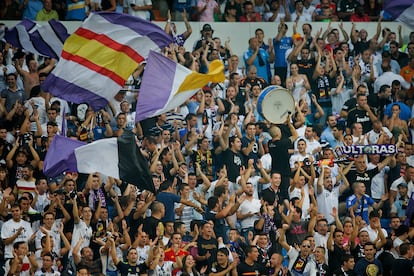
401, 10
46, 40
61, 157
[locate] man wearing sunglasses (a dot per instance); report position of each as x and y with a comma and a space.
300, 262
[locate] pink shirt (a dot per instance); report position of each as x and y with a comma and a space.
208, 14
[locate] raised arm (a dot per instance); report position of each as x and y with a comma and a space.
282, 239
75, 210
330, 243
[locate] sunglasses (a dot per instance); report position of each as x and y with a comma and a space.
306, 245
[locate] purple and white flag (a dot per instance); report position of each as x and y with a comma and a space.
401, 10
44, 40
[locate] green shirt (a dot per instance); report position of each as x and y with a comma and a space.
43, 15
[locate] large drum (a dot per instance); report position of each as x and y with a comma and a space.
275, 103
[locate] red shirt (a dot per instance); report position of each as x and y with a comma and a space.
256, 18
355, 18
332, 6
169, 255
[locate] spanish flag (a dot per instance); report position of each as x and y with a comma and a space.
178, 84
100, 55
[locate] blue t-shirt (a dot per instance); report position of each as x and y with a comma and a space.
280, 49
75, 11
405, 112
364, 267
168, 199
362, 209
32, 8
261, 67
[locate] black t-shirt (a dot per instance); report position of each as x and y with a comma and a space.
150, 227
359, 116
216, 268
306, 67
335, 257
134, 223
280, 156
233, 162
264, 256
269, 195
361, 46
378, 104
254, 153
323, 270
341, 272
166, 170
347, 6
297, 232
95, 267
321, 88
402, 266
402, 59
219, 224
128, 270
374, 102
244, 269
358, 252
204, 246
387, 260
364, 177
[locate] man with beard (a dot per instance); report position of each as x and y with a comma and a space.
327, 134
232, 158
327, 194
26, 183
248, 211
300, 262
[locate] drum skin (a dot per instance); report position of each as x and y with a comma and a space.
275, 103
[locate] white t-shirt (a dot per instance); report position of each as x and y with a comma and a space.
143, 253
141, 3
247, 206
255, 182
297, 157
81, 230
310, 265
54, 234
164, 270
377, 182
26, 262
327, 201
373, 234
9, 228
297, 192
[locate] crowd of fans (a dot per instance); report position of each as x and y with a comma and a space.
201, 10
235, 194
